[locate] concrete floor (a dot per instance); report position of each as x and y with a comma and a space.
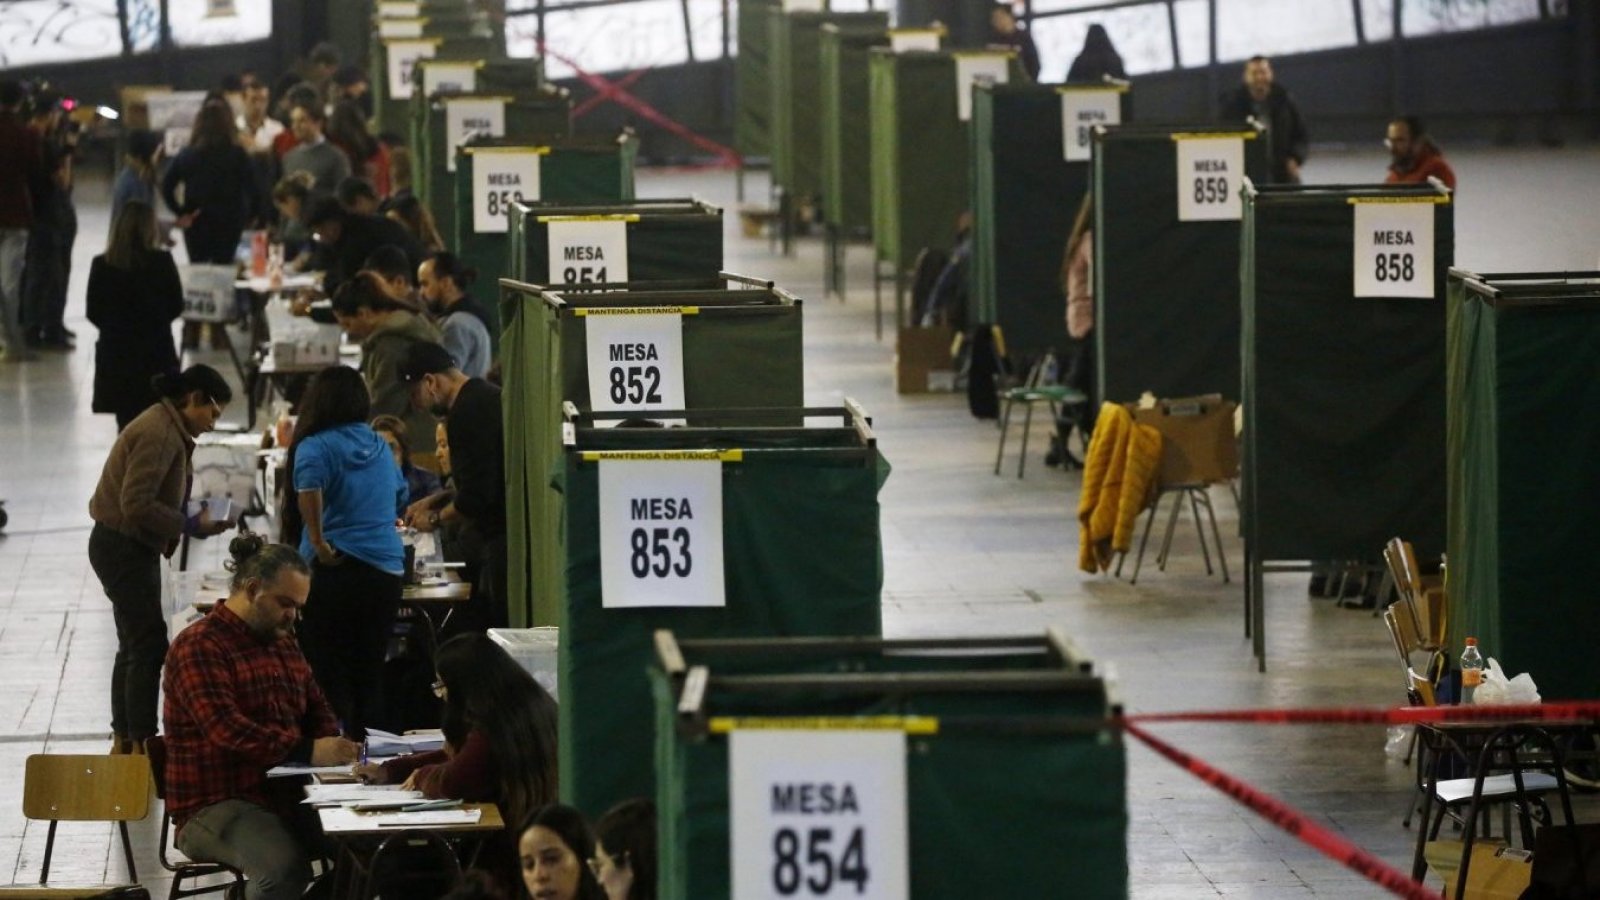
966, 553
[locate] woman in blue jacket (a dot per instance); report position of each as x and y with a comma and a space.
342, 515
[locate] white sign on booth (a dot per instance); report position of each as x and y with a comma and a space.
1081, 111
972, 66
815, 813
1210, 175
661, 530
398, 9
402, 58
1394, 249
586, 250
472, 117
635, 358
449, 78
499, 179
400, 28
172, 113
903, 40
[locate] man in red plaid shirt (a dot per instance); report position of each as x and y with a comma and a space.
240, 699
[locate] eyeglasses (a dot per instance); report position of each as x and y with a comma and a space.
439, 689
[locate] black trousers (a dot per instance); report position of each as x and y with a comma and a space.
49, 266
344, 631
130, 573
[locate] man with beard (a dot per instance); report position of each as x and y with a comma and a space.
240, 699
444, 281
470, 408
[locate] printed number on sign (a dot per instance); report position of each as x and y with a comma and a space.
628, 384
1211, 189
583, 275
818, 870
1395, 267
653, 552
500, 201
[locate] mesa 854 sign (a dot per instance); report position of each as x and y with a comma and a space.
818, 813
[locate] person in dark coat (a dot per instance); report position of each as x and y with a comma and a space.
134, 296
1004, 32
1264, 100
220, 195
1097, 60
346, 239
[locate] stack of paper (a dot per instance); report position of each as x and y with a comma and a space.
383, 743
352, 794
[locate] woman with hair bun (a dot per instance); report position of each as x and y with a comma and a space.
444, 280
139, 515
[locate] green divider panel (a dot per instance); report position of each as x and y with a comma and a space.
572, 169
754, 332
752, 93
1166, 292
1344, 401
794, 42
1524, 369
390, 112
671, 240
1064, 823
803, 557
1025, 197
846, 169
919, 153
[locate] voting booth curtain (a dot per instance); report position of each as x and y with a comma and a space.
668, 240
572, 169
1166, 290
796, 143
802, 557
1524, 372
846, 173
1002, 706
752, 88
918, 152
1344, 399
544, 354
1024, 198
390, 105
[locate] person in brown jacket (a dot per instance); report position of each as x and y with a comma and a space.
139, 513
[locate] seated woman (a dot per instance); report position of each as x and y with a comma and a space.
420, 482
555, 850
500, 744
625, 850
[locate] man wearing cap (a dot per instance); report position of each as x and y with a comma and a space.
470, 408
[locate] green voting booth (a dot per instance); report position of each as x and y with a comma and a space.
845, 176
1030, 171
784, 542
492, 174
794, 41
1343, 374
1522, 441
392, 60
729, 324
648, 240
1166, 257
920, 102
951, 750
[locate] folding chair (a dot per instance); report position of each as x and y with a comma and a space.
412, 865
1198, 450
182, 870
1035, 388
60, 788
1423, 603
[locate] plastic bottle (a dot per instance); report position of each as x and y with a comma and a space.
1471, 670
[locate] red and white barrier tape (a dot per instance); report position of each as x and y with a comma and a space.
1557, 711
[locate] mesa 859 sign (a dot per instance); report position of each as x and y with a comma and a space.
661, 529
818, 813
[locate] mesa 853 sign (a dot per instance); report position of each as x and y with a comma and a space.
501, 177
818, 813
661, 529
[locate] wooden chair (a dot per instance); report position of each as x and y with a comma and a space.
1421, 600
182, 870
60, 788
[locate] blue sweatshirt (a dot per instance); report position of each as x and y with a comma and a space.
361, 487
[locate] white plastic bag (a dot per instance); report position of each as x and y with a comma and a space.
1498, 690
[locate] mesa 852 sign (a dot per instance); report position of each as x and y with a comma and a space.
661, 529
818, 813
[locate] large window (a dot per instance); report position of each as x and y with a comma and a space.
204, 23
40, 32
617, 37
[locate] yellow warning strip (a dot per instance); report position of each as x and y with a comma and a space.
1421, 198
908, 724
636, 310
541, 151
624, 217
662, 455
1092, 88
476, 98
1204, 135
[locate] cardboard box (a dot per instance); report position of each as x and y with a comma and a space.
922, 362
1197, 441
1497, 872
